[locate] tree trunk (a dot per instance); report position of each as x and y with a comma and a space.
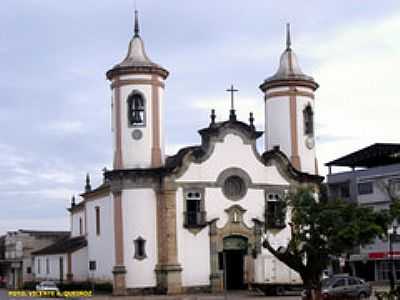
315, 294
312, 286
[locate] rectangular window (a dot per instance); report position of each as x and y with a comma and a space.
395, 187
344, 191
92, 265
97, 220
194, 216
365, 188
28, 270
140, 248
47, 266
275, 211
38, 265
80, 226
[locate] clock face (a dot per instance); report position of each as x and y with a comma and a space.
137, 134
310, 143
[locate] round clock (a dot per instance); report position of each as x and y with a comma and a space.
310, 143
137, 134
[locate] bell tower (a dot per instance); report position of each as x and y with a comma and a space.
137, 86
289, 111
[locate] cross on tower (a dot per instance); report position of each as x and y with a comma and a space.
232, 90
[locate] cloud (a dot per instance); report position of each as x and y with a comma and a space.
221, 104
357, 103
64, 127
45, 223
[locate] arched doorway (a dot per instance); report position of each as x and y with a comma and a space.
235, 248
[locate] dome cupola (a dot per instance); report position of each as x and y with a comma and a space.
136, 60
289, 71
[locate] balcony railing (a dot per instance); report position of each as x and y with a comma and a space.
194, 219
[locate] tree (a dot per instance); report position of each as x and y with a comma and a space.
321, 229
392, 188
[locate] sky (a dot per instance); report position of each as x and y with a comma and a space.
55, 99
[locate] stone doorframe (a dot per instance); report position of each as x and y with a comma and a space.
235, 226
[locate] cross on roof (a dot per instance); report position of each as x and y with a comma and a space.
232, 90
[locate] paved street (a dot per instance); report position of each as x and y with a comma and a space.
242, 295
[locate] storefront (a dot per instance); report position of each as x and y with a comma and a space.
376, 266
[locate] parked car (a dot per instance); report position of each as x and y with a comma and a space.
343, 286
47, 286
3, 281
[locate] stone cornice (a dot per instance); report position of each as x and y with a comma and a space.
268, 84
118, 70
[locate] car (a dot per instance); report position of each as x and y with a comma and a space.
343, 286
3, 281
47, 286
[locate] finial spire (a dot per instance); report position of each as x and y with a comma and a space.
88, 187
288, 37
137, 29
251, 120
212, 117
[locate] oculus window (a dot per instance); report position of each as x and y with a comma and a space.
234, 188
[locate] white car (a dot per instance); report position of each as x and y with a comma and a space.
47, 286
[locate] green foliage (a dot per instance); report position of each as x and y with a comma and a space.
321, 229
395, 210
390, 295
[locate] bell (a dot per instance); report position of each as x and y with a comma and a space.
137, 118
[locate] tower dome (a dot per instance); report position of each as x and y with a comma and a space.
289, 111
289, 70
136, 60
137, 86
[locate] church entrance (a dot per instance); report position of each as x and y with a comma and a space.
235, 248
234, 269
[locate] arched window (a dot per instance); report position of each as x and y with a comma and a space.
136, 110
308, 115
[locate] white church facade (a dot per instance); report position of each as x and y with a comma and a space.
172, 224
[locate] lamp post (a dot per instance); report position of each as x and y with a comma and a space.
392, 269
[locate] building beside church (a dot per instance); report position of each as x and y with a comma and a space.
16, 248
172, 224
373, 180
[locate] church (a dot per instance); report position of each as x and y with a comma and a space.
194, 221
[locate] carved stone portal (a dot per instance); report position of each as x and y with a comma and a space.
234, 235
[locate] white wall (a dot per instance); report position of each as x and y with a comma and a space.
223, 158
307, 156
101, 247
139, 209
270, 270
80, 264
193, 250
75, 217
137, 153
54, 267
277, 132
